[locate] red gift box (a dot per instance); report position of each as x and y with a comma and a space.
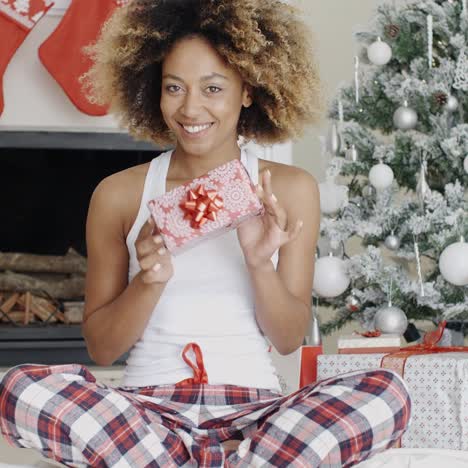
308, 372
205, 207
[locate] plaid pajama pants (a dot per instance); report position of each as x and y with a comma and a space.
62, 411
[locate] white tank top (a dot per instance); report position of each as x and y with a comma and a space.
209, 300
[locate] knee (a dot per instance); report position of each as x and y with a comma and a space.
391, 388
15, 381
10, 385
12, 377
19, 377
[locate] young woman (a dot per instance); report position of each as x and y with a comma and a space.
199, 387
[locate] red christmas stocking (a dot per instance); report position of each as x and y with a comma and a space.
17, 18
62, 53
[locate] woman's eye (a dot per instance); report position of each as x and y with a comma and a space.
172, 88
213, 89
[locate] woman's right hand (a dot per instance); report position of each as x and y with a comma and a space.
153, 257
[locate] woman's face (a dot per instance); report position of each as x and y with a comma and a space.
201, 97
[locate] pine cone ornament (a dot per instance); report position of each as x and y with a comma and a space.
392, 30
440, 98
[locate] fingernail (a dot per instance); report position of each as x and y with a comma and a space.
157, 239
268, 172
161, 251
301, 223
274, 197
260, 188
157, 267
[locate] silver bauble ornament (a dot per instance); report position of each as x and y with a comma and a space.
353, 304
392, 242
405, 118
390, 319
334, 140
351, 154
465, 164
452, 104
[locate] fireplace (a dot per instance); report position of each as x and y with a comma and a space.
46, 181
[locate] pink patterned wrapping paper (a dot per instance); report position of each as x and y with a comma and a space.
231, 182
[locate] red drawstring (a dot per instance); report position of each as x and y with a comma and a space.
199, 372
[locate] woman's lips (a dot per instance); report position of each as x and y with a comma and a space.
198, 134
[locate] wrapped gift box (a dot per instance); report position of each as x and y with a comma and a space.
358, 344
205, 207
438, 385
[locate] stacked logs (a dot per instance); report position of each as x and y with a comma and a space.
41, 288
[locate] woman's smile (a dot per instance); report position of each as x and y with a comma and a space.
195, 131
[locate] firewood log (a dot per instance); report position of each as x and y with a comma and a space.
70, 288
72, 262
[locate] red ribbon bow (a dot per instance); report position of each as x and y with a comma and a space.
201, 206
200, 375
396, 361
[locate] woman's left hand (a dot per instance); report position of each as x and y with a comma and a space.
261, 236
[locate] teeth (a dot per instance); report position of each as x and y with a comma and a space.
196, 129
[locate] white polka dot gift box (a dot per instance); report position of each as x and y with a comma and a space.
437, 379
205, 207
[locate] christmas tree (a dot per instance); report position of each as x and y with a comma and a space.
397, 175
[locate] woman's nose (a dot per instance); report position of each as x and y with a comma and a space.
191, 104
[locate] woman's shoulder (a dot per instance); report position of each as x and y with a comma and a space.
288, 180
121, 193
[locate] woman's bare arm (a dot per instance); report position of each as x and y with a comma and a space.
283, 296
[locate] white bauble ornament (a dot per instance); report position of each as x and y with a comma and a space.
453, 263
330, 277
405, 118
381, 176
379, 52
392, 242
465, 164
332, 197
451, 104
391, 319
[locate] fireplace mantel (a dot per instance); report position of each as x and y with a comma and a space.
73, 140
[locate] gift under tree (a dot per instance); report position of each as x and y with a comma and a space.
397, 176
